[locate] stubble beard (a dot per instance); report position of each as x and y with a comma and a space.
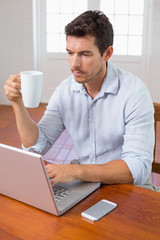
87, 79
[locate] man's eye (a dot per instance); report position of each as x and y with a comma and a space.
70, 53
86, 54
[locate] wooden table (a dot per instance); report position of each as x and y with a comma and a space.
136, 217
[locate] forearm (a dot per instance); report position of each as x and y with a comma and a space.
112, 172
27, 128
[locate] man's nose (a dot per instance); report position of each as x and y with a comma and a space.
76, 61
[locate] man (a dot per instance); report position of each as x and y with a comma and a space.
107, 111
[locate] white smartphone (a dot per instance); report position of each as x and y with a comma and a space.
99, 210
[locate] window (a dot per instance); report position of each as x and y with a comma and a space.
131, 43
126, 17
59, 13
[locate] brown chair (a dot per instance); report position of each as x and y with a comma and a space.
156, 164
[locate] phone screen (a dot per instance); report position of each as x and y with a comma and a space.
99, 210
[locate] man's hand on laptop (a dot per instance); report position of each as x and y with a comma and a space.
62, 173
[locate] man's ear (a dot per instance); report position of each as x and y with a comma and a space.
108, 53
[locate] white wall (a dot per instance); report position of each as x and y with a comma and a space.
16, 45
154, 61
16, 50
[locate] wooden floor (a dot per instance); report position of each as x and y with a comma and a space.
63, 150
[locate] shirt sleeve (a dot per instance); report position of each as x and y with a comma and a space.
137, 150
50, 126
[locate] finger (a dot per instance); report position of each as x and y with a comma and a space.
15, 83
11, 89
51, 175
15, 78
19, 74
50, 171
12, 78
48, 168
19, 79
11, 95
53, 182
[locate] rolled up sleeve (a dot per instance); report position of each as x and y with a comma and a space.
137, 149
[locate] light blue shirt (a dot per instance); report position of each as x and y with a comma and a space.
117, 124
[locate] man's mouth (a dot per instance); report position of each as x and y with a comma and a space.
77, 72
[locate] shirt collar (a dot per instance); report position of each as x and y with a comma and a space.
77, 86
110, 84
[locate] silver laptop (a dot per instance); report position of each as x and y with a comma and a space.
23, 177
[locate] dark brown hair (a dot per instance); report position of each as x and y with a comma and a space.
94, 23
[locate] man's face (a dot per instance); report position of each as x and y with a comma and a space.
84, 57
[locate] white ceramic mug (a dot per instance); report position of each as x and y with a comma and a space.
31, 88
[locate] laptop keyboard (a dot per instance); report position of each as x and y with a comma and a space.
60, 192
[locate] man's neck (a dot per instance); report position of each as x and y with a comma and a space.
93, 87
